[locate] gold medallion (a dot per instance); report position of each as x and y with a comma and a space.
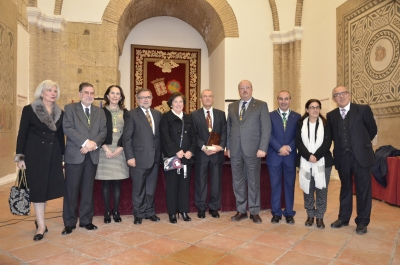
209, 129
115, 130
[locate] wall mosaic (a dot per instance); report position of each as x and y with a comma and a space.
368, 52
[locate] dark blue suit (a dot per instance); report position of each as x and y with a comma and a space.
282, 166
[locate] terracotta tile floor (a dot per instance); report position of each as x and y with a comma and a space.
207, 241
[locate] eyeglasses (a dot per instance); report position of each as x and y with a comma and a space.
148, 97
314, 108
244, 87
86, 93
344, 93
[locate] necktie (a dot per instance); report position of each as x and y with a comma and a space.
87, 115
209, 122
284, 120
242, 111
149, 119
343, 113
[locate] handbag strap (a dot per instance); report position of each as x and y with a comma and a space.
183, 123
21, 179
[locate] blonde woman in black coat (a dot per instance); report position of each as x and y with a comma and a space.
178, 184
40, 147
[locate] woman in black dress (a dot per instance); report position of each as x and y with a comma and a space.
40, 147
178, 181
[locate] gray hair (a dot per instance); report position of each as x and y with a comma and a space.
46, 84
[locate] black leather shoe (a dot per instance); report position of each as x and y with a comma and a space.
275, 219
361, 229
289, 220
239, 216
38, 237
47, 230
89, 226
116, 217
153, 218
68, 230
214, 213
137, 220
320, 223
107, 218
309, 221
339, 223
185, 216
201, 214
256, 218
172, 218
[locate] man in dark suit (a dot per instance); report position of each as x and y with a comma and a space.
85, 127
207, 119
142, 146
353, 127
281, 159
248, 133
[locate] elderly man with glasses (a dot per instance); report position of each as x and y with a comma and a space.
353, 127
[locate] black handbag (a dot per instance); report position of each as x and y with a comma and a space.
171, 163
19, 195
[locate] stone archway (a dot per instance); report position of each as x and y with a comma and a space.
213, 19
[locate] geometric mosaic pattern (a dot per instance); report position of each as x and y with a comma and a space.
368, 54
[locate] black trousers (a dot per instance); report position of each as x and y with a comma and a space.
201, 189
178, 190
79, 180
362, 178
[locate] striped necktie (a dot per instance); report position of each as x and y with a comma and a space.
284, 120
149, 119
242, 110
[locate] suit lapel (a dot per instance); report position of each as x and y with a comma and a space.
352, 114
216, 119
81, 115
278, 117
93, 116
236, 109
153, 113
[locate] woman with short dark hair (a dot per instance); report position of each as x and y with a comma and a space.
314, 159
178, 181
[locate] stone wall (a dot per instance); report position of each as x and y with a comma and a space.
8, 81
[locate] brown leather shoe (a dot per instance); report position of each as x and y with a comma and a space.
256, 218
320, 223
310, 221
239, 216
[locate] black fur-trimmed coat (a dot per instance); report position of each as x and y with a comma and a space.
41, 144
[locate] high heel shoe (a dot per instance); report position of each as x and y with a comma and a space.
172, 218
116, 217
37, 227
185, 216
107, 218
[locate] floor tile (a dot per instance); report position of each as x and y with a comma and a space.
359, 256
131, 256
133, 238
197, 255
259, 253
221, 243
163, 246
236, 260
63, 258
319, 249
293, 257
101, 249
276, 240
36, 251
239, 232
189, 235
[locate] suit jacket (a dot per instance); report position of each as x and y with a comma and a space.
201, 128
171, 128
281, 137
253, 132
322, 152
138, 139
362, 129
77, 131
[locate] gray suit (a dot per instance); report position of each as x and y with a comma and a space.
140, 143
244, 139
80, 169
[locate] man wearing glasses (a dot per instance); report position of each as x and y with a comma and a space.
353, 127
281, 159
248, 133
85, 127
142, 146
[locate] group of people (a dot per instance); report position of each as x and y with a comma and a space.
105, 143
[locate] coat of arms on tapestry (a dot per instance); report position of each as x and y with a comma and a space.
165, 70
